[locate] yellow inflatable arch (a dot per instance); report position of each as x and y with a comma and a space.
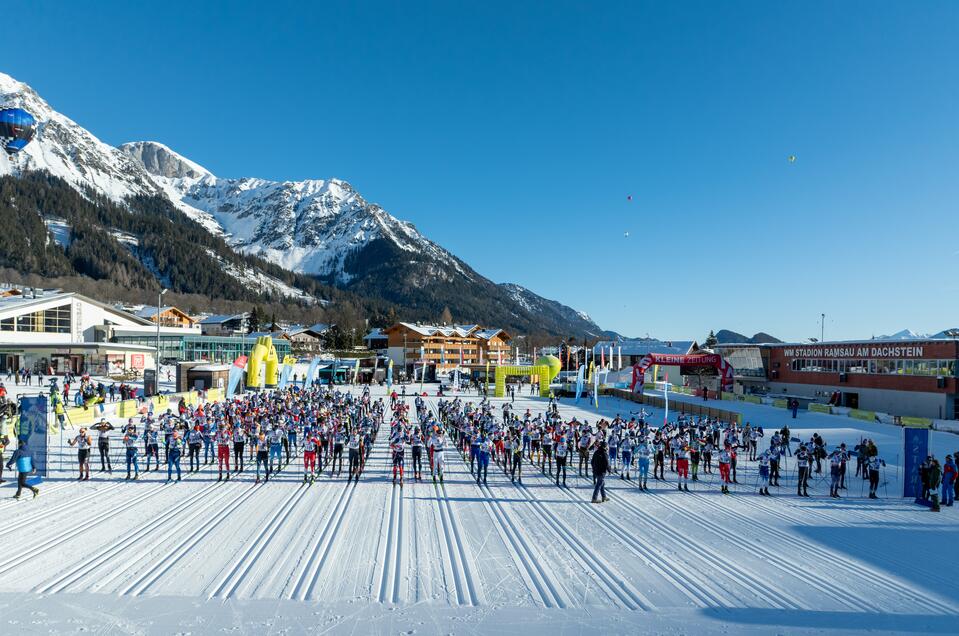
541, 372
263, 352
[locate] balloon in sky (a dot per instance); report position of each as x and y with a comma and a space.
625, 234
17, 128
792, 158
629, 197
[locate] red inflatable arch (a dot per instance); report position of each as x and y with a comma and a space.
691, 360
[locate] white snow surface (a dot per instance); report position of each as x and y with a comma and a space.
203, 557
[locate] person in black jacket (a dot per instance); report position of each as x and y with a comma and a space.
600, 465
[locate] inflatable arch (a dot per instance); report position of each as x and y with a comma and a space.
263, 352
692, 360
542, 372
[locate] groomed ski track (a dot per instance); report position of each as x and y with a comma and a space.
462, 557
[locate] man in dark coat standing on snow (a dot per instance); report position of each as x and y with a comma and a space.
600, 465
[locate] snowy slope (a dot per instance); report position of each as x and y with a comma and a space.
67, 150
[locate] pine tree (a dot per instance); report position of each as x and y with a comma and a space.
711, 340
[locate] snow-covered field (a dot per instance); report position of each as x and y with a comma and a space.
203, 557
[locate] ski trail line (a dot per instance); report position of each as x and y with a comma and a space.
177, 519
614, 584
698, 595
388, 561
29, 520
303, 587
540, 581
235, 576
84, 524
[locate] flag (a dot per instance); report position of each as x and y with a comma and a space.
389, 376
666, 399
580, 378
602, 356
487, 376
356, 371
442, 354
596, 388
620, 351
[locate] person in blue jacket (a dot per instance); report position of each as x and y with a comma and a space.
24, 460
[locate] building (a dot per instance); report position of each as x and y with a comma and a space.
376, 341
196, 347
632, 351
225, 324
900, 377
48, 329
168, 317
445, 347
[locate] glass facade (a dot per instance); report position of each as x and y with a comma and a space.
945, 368
53, 320
210, 348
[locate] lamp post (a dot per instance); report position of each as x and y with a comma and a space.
156, 382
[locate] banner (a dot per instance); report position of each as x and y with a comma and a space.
310, 372
724, 369
389, 376
916, 451
596, 388
580, 379
33, 429
236, 374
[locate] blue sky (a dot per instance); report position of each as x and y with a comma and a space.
513, 133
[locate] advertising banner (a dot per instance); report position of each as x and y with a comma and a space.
33, 428
916, 451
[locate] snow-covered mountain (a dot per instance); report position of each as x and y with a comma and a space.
67, 150
909, 334
305, 226
321, 228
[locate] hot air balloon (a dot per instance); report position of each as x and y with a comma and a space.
792, 158
17, 128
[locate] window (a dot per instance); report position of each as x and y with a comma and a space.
26, 322
6, 324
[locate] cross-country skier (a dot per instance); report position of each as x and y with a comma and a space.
224, 437
437, 452
129, 441
725, 456
103, 445
83, 442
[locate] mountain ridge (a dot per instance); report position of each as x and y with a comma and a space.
321, 228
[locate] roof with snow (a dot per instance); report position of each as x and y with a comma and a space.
642, 347
218, 319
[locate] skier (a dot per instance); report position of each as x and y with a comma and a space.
643, 453
600, 465
173, 456
355, 448
660, 458
24, 460
835, 472
872, 466
275, 438
416, 444
224, 437
399, 450
152, 437
310, 444
516, 469
103, 445
262, 456
485, 450
239, 438
802, 466
194, 443
562, 452
935, 477
764, 473
948, 481
83, 442
724, 460
626, 450
437, 447
129, 441
682, 468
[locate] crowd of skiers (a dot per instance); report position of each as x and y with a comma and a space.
691, 448
263, 431
321, 429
